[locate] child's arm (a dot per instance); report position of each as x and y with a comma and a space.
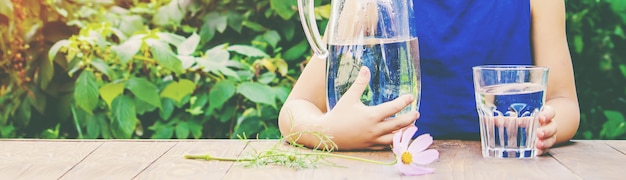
551, 50
351, 124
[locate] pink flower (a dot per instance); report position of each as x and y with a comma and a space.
410, 157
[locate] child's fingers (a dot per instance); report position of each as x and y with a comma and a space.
390, 108
354, 93
399, 122
546, 114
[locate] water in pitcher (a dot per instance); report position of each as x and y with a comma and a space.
394, 67
508, 116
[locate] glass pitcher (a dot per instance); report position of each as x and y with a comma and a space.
378, 34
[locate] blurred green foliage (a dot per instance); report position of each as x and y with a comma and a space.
153, 69
216, 69
597, 41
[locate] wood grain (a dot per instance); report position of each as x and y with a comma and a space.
163, 159
41, 160
240, 171
591, 159
618, 145
172, 165
464, 160
119, 159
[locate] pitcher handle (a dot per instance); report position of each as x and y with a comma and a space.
306, 9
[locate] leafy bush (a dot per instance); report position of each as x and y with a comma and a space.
597, 42
168, 69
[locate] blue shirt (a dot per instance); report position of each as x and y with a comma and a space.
454, 36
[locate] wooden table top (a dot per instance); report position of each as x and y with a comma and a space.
163, 159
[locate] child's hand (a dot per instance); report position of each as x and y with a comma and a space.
546, 134
353, 125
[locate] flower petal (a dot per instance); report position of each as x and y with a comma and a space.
420, 143
407, 135
425, 157
397, 149
413, 170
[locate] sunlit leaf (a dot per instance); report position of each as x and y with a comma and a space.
267, 77
171, 38
189, 46
258, 93
110, 91
54, 50
124, 117
144, 90
128, 49
6, 9
178, 90
247, 50
164, 55
272, 37
86, 91
101, 66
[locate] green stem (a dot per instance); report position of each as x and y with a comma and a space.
208, 157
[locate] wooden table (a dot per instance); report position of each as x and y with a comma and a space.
163, 159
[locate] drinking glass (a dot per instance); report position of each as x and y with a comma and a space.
508, 100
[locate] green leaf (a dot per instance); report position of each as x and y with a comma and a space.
579, 44
54, 50
272, 37
178, 90
142, 107
171, 38
110, 91
296, 52
162, 131
285, 9
101, 66
235, 20
270, 133
220, 93
46, 73
182, 130
267, 77
257, 93
167, 108
254, 26
615, 125
189, 46
164, 55
213, 22
86, 91
250, 125
21, 118
196, 129
247, 50
6, 9
127, 50
622, 68
172, 13
130, 24
144, 90
282, 93
289, 31
124, 117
